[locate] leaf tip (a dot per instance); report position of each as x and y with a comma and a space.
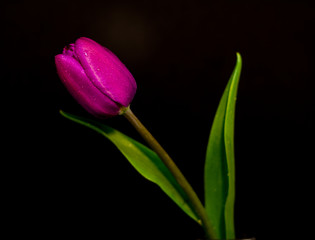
64, 114
238, 57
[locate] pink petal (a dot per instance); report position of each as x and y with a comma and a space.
81, 88
106, 71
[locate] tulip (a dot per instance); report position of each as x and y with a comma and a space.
96, 78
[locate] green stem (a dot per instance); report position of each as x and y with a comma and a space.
193, 198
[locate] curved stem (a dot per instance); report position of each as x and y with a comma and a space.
153, 143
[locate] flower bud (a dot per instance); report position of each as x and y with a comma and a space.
96, 78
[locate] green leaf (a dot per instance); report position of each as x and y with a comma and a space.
220, 164
229, 146
143, 159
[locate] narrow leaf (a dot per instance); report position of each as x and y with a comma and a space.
219, 164
229, 147
143, 159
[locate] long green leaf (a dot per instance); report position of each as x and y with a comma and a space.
144, 160
229, 146
219, 164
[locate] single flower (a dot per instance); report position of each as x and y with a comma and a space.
96, 78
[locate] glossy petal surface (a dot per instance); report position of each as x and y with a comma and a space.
106, 71
81, 88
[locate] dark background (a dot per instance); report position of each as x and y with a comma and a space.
64, 180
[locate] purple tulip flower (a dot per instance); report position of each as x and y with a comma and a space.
96, 78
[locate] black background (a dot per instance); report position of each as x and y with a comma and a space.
64, 180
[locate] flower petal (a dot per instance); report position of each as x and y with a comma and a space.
81, 88
106, 71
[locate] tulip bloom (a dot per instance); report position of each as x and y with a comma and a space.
96, 78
